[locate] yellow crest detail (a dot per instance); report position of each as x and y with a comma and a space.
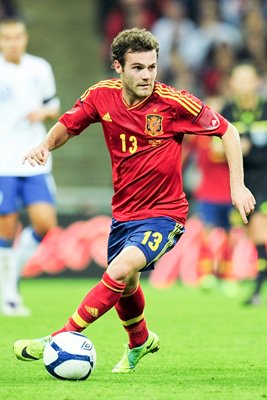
154, 124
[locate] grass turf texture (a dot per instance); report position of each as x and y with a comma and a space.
211, 347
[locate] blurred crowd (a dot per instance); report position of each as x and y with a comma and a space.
200, 41
8, 8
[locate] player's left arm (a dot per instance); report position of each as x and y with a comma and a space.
50, 107
199, 119
241, 196
43, 113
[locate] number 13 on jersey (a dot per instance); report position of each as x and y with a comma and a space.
128, 144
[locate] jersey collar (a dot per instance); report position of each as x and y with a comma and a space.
129, 108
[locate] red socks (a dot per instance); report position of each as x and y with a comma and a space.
106, 294
97, 302
130, 309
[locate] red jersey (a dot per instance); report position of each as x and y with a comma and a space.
214, 185
144, 143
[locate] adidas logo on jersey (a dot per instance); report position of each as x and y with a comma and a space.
107, 117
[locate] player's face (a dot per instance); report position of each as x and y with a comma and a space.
13, 42
244, 81
138, 75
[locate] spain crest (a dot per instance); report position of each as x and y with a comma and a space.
154, 124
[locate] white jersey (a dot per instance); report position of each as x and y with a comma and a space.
24, 88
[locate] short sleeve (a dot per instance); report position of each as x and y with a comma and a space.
79, 117
49, 86
195, 117
209, 122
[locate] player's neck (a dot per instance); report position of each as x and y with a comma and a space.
129, 99
132, 100
247, 102
13, 59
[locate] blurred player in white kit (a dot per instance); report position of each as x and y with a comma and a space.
27, 99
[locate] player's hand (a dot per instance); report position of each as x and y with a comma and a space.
37, 115
244, 201
37, 155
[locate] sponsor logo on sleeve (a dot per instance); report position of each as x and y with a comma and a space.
208, 119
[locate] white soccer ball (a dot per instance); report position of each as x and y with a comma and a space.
70, 355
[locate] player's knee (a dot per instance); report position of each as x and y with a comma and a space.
121, 272
43, 227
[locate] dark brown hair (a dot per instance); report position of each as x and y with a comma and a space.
132, 41
12, 21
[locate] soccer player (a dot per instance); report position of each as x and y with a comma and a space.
27, 98
144, 123
248, 112
212, 203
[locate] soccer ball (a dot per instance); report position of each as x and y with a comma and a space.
70, 355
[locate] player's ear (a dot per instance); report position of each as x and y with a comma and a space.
117, 66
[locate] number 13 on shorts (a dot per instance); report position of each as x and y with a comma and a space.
152, 239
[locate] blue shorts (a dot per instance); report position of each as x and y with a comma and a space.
214, 214
18, 192
153, 236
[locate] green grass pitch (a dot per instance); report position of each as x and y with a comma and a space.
211, 347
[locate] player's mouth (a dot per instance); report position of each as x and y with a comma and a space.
145, 87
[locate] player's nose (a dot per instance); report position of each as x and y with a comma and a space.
146, 74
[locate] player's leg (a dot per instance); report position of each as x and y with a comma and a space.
207, 212
153, 237
130, 309
213, 215
11, 301
101, 298
224, 222
10, 297
257, 232
42, 218
122, 276
141, 251
108, 291
38, 197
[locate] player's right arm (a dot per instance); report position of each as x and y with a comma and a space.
56, 137
70, 124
